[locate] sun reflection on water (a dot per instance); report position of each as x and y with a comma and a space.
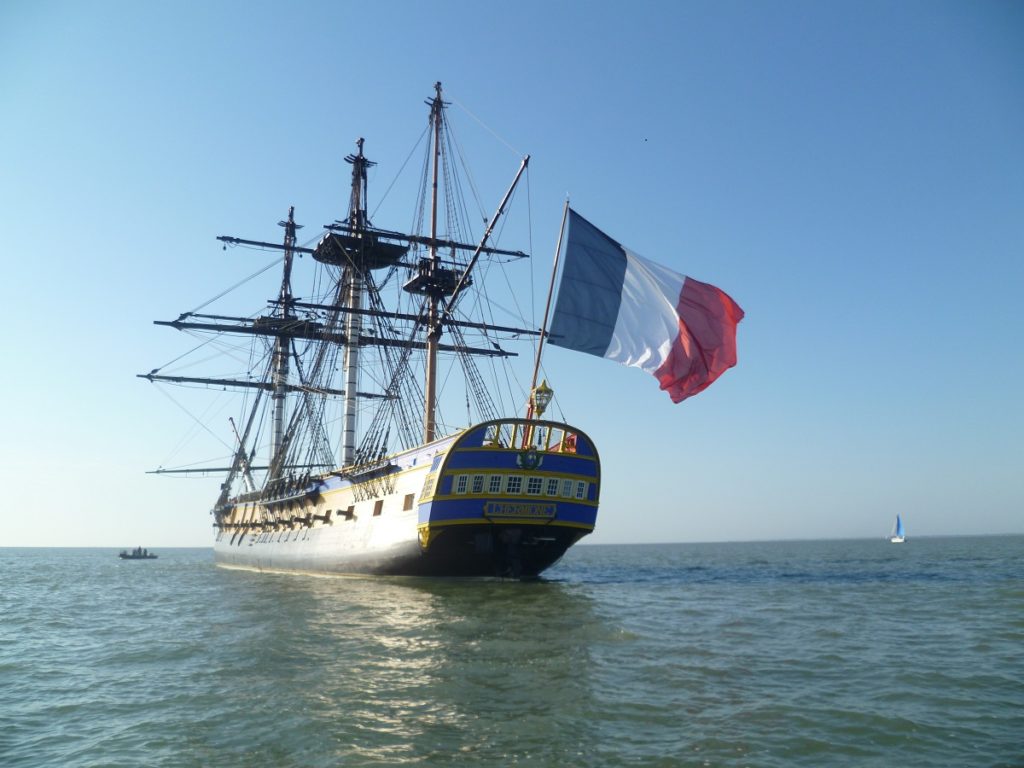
397, 670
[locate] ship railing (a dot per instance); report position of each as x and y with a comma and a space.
523, 434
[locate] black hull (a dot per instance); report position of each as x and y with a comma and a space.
505, 551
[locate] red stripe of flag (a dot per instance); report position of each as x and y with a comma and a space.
706, 345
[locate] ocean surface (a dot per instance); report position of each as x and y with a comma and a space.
845, 653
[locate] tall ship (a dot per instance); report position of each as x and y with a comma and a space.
341, 457
340, 462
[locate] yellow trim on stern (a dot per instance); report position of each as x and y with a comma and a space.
506, 521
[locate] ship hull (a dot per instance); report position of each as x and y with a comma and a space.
501, 499
516, 552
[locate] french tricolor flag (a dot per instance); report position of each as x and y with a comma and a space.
614, 303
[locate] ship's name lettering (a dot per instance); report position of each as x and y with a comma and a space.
512, 509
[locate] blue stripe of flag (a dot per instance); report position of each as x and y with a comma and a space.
590, 291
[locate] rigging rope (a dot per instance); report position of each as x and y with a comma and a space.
482, 124
236, 285
194, 418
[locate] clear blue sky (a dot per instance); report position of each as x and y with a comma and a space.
852, 173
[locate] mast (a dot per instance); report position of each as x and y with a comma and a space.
434, 329
353, 300
437, 281
282, 345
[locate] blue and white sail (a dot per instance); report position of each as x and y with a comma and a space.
898, 536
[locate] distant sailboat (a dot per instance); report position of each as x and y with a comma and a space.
898, 536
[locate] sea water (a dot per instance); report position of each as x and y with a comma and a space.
848, 653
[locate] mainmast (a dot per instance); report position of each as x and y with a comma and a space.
282, 347
353, 301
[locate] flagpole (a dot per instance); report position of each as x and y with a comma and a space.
547, 309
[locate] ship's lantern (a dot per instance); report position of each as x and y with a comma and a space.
542, 395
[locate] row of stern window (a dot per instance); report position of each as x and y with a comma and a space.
512, 485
